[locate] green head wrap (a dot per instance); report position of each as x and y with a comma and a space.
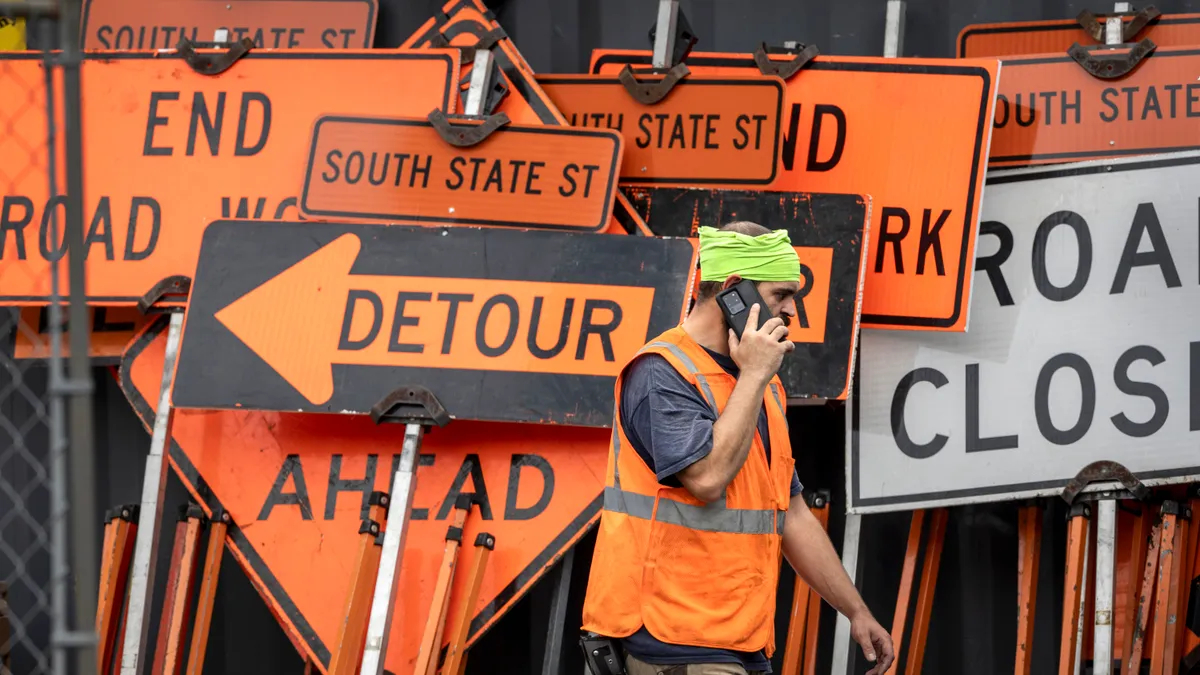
768, 257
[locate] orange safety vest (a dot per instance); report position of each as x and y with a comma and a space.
693, 574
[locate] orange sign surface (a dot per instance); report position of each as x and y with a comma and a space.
296, 485
1047, 37
190, 148
464, 24
111, 329
272, 24
521, 175
707, 130
911, 133
1051, 110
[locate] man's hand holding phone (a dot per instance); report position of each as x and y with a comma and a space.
760, 351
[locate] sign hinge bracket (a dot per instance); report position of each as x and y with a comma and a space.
672, 39
170, 286
804, 54
465, 135
410, 405
1105, 471
212, 64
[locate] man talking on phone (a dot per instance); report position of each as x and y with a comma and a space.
702, 496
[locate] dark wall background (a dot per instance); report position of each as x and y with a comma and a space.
973, 628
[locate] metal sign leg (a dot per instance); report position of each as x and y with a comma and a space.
141, 581
1106, 551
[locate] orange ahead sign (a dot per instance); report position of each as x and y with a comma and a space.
1051, 110
1050, 37
190, 149
404, 170
272, 24
911, 133
331, 317
111, 329
295, 487
707, 130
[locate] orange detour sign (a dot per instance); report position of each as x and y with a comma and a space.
1051, 110
296, 487
191, 148
408, 170
1050, 37
112, 329
467, 23
271, 24
331, 317
912, 134
706, 130
828, 233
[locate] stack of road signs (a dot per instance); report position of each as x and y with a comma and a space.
334, 252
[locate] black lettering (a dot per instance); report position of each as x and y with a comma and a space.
135, 210
1129, 92
1173, 88
452, 315
1151, 103
127, 33
344, 342
51, 250
477, 162
741, 143
495, 175
290, 202
326, 176
805, 288
212, 124
567, 171
327, 35
1048, 97
354, 173
277, 497
383, 171
394, 345
102, 35
294, 37
1071, 106
8, 223
564, 328
1145, 220
1106, 99
338, 485
100, 231
1032, 111
240, 148
643, 140
819, 113
532, 176
587, 182
470, 467
991, 264
347, 33
454, 169
931, 238
893, 238
243, 207
519, 461
1087, 405
602, 330
1192, 88
999, 122
1157, 396
1083, 269
481, 327
709, 130
974, 442
789, 138
900, 398
417, 168
101, 324
153, 120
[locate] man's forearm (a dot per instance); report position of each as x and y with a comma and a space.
811, 554
732, 435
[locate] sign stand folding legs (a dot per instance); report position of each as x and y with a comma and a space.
352, 631
800, 653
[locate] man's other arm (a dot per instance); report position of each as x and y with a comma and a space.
811, 554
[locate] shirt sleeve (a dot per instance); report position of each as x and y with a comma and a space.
797, 486
670, 419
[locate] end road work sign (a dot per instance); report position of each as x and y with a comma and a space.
501, 325
1084, 346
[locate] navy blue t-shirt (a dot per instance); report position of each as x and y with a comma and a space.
669, 424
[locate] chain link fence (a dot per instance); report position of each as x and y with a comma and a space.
34, 583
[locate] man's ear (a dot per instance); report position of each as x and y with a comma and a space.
731, 281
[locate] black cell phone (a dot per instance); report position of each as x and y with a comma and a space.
735, 303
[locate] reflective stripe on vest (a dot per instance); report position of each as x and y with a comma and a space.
712, 518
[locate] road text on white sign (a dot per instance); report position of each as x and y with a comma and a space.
1084, 345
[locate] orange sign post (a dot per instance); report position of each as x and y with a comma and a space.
296, 487
332, 317
1056, 37
921, 162
707, 129
192, 148
408, 170
1052, 110
272, 24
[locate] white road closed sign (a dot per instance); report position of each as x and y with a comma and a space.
1084, 345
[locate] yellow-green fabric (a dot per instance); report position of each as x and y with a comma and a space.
768, 257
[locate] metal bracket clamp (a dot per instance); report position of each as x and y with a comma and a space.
817, 499
174, 285
1102, 472
1093, 27
465, 136
803, 56
410, 405
213, 64
1110, 66
649, 93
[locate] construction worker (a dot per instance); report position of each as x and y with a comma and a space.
701, 493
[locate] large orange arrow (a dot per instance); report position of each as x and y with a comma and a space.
316, 314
